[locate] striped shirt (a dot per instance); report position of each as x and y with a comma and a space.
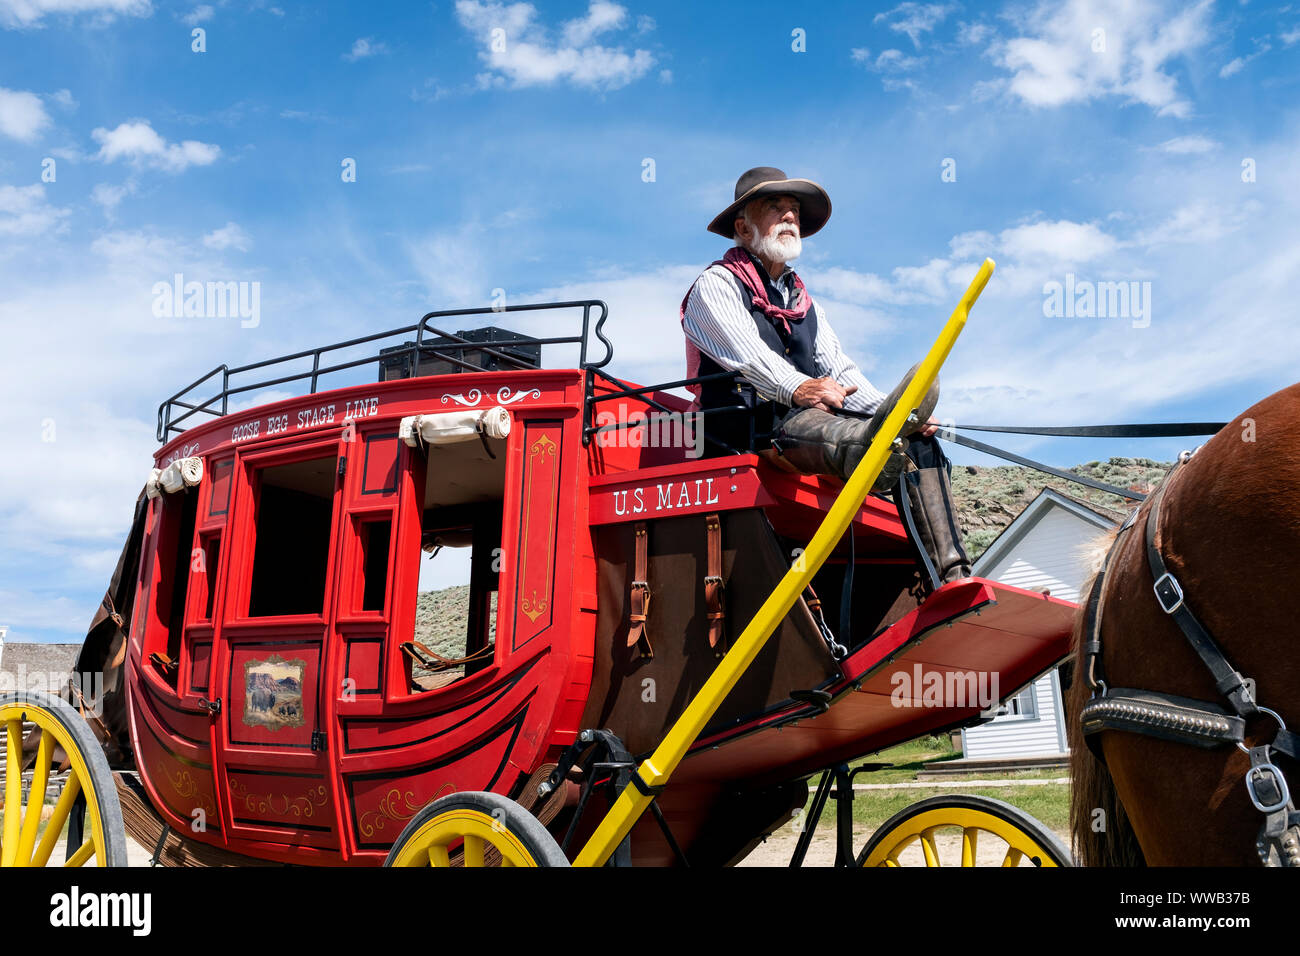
717, 322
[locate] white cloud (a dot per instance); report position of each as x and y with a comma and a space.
914, 19
602, 16
1199, 221
1188, 145
973, 34
24, 211
1235, 66
137, 142
22, 115
229, 236
110, 197
1054, 62
1290, 37
200, 14
64, 99
897, 60
1061, 241
891, 65
364, 47
28, 13
518, 48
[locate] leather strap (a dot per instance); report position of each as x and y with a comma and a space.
639, 599
164, 663
430, 659
1170, 595
713, 586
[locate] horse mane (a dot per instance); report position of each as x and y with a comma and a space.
1101, 830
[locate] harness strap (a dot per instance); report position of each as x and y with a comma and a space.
1167, 716
640, 595
1169, 594
1092, 619
713, 586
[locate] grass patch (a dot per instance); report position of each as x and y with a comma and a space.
1050, 803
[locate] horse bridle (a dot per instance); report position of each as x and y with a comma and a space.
1183, 719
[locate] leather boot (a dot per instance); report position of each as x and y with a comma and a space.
815, 442
921, 414
931, 521
819, 443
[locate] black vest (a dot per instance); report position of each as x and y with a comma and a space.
798, 347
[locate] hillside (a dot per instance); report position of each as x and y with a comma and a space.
987, 501
989, 498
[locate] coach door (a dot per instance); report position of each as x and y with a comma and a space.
273, 646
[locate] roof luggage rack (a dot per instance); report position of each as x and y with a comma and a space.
434, 352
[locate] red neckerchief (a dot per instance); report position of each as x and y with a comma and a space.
743, 265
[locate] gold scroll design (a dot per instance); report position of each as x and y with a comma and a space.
531, 604
187, 788
303, 807
397, 806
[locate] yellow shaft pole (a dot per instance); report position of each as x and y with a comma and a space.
655, 770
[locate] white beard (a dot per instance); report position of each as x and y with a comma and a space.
781, 248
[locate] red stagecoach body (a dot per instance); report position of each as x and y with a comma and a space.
271, 697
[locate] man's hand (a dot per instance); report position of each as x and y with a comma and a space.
823, 393
930, 427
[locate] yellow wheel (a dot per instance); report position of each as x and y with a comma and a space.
475, 828
963, 830
59, 739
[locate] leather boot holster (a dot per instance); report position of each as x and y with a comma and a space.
924, 499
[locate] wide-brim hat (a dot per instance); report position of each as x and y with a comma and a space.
814, 203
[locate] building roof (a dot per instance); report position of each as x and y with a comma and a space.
1046, 500
30, 658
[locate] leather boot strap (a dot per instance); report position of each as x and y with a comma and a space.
713, 586
640, 596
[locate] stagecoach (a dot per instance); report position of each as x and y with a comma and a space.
634, 611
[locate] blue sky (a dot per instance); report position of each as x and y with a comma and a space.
515, 160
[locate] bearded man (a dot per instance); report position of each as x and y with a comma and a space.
749, 313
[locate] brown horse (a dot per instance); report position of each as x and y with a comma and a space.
1229, 530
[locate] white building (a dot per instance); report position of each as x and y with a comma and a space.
1044, 548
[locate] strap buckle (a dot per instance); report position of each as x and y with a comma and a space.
713, 579
1169, 593
1278, 781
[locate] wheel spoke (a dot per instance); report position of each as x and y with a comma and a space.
1013, 857
438, 856
84, 853
931, 851
35, 799
969, 845
473, 850
54, 827
13, 792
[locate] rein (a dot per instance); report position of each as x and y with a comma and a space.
1185, 720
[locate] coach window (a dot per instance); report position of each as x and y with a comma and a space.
460, 559
294, 511
172, 571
